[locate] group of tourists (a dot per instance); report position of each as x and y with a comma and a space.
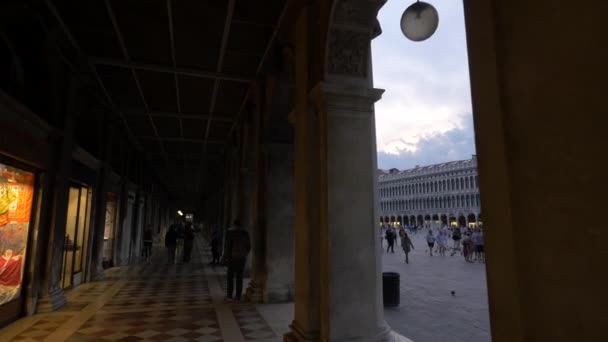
467, 241
179, 242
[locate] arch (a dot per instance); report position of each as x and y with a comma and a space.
466, 183
399, 220
477, 203
451, 220
444, 220
392, 219
427, 217
451, 184
381, 219
435, 217
462, 221
461, 183
412, 220
386, 219
420, 220
472, 219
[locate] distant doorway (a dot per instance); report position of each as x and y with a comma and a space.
76, 236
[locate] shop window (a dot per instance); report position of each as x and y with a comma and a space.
16, 193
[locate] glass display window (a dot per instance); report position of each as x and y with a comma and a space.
16, 197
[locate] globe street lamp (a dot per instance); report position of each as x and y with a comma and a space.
419, 21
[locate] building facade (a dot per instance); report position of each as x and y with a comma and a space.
431, 196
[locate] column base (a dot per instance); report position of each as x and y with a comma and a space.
52, 301
385, 335
298, 335
280, 294
99, 275
255, 292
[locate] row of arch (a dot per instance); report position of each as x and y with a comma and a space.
445, 219
443, 202
461, 183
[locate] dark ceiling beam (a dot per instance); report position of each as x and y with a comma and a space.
178, 115
196, 156
251, 23
178, 139
170, 70
176, 79
76, 46
125, 53
266, 51
216, 83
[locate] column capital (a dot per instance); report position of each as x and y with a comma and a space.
344, 97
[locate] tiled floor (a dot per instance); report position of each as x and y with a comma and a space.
149, 302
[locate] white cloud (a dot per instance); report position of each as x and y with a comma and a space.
427, 87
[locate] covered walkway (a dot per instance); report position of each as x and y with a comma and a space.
155, 302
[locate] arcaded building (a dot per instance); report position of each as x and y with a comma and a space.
434, 195
115, 114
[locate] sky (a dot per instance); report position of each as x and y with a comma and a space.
425, 115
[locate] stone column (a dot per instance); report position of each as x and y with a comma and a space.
538, 80
52, 296
280, 216
353, 251
101, 189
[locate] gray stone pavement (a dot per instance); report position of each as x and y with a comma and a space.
428, 312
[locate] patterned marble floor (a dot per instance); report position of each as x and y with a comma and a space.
151, 302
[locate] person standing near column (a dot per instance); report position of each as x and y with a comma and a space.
216, 240
188, 242
238, 245
170, 243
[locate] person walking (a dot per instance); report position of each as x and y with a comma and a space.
216, 241
479, 243
390, 239
456, 236
188, 242
171, 243
406, 244
442, 240
238, 245
467, 247
430, 240
148, 239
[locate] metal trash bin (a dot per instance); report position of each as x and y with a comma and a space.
390, 288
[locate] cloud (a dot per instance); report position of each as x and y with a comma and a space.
427, 88
455, 144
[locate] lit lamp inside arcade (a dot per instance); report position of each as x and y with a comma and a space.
419, 21
179, 212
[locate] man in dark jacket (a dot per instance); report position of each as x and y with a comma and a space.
238, 245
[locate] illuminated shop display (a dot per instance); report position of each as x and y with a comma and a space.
16, 192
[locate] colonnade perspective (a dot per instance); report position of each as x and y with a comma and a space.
299, 165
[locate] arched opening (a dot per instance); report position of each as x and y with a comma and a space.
452, 222
462, 221
444, 220
472, 220
399, 220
